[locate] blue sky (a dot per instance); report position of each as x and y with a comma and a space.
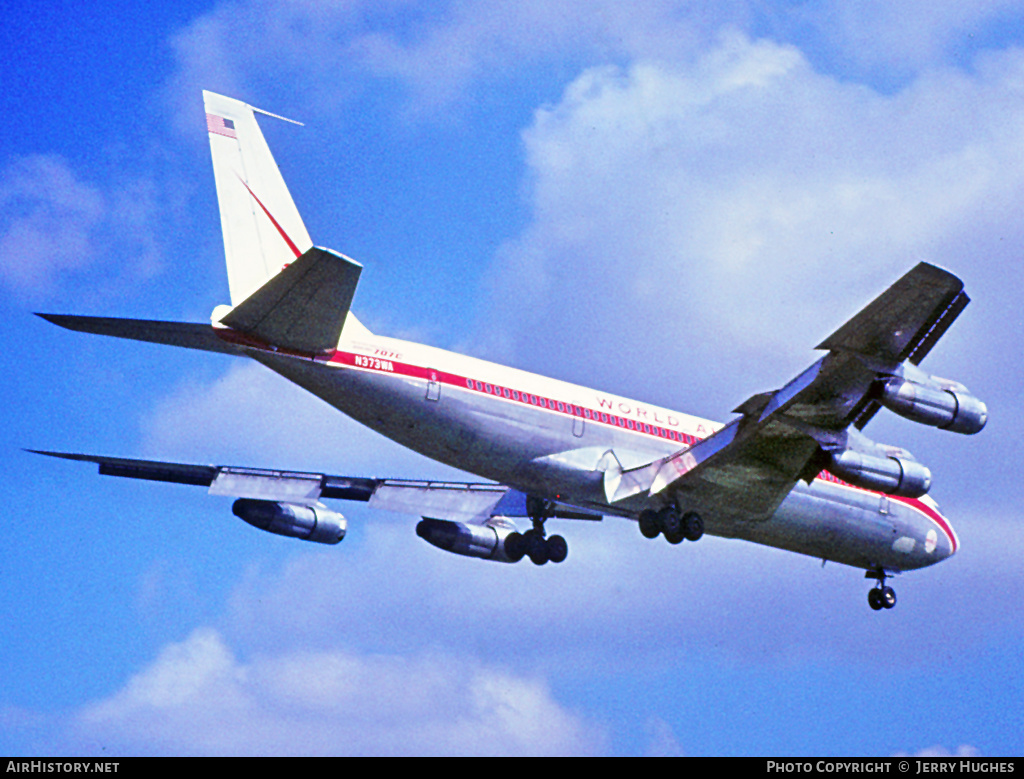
670, 201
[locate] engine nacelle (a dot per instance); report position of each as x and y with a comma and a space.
939, 403
891, 475
310, 522
486, 541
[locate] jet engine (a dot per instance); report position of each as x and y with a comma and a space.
486, 540
496, 539
893, 475
310, 522
933, 401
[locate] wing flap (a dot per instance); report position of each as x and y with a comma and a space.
267, 485
458, 502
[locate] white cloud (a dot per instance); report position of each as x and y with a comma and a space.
743, 207
437, 52
902, 38
198, 697
937, 750
54, 223
440, 52
663, 741
48, 221
387, 633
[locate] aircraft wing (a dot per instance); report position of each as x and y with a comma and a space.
905, 321
749, 466
458, 501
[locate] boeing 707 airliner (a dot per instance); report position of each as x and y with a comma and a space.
792, 470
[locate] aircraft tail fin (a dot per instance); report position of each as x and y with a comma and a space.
262, 228
264, 235
304, 307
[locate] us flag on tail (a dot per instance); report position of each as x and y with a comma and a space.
218, 125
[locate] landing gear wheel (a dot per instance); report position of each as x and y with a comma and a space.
692, 526
881, 596
515, 547
671, 524
668, 521
536, 547
557, 549
649, 526
888, 597
534, 543
675, 538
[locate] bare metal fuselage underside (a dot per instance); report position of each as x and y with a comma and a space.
544, 452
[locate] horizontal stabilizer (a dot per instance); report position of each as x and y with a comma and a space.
189, 335
304, 306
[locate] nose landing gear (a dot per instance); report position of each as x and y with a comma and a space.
880, 596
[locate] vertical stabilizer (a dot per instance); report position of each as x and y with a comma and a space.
262, 229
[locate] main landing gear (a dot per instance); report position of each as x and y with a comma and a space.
670, 522
880, 596
534, 543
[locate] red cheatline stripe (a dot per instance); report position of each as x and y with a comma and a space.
385, 366
914, 503
291, 244
934, 516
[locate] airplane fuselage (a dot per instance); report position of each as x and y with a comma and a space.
546, 437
